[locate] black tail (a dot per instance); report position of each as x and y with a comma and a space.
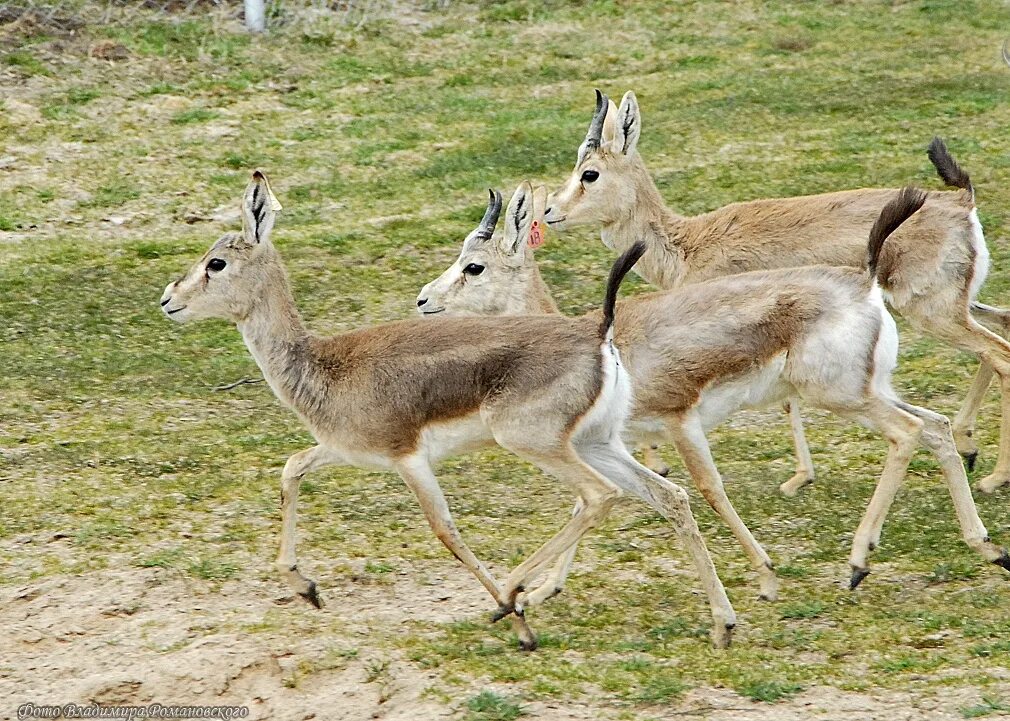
621, 268
946, 167
895, 213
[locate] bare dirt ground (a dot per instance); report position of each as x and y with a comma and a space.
139, 636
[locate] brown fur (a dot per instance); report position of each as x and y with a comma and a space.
392, 380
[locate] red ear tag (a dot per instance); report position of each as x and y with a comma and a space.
536, 238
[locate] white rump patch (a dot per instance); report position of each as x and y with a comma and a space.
982, 259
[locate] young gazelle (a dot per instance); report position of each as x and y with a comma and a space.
931, 270
699, 354
400, 396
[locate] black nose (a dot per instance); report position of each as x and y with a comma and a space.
421, 302
164, 302
548, 211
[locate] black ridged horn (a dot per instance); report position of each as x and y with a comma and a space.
595, 135
490, 220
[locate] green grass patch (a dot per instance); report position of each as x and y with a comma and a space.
194, 115
489, 706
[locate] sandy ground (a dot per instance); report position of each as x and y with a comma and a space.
140, 636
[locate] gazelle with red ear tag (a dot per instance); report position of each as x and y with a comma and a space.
699, 354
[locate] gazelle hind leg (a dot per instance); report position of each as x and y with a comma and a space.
937, 437
902, 431
291, 480
556, 577
671, 501
598, 496
804, 475
689, 437
418, 476
995, 352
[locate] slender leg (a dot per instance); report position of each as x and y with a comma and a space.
291, 479
902, 432
964, 421
804, 475
995, 352
671, 501
598, 496
689, 436
937, 437
654, 461
419, 478
555, 581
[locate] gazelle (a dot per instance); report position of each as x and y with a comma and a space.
931, 270
699, 354
400, 396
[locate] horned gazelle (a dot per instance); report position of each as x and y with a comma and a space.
931, 270
699, 354
400, 396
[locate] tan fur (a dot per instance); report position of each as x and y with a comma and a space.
698, 354
400, 396
930, 267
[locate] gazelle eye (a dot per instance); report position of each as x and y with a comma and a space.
473, 269
216, 265
590, 176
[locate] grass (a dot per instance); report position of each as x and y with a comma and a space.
380, 142
489, 706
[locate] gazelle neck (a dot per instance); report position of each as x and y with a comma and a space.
278, 341
539, 300
649, 220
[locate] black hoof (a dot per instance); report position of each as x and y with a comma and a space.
664, 472
556, 592
502, 612
312, 596
858, 574
528, 645
1003, 561
969, 460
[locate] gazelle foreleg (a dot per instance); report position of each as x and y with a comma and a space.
418, 476
291, 480
804, 475
689, 437
650, 452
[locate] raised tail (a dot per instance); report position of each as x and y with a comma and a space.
621, 268
896, 212
947, 168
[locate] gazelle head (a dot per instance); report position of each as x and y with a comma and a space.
603, 188
492, 275
238, 269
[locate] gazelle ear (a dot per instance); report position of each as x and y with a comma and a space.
627, 125
259, 208
609, 123
518, 221
536, 236
539, 203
